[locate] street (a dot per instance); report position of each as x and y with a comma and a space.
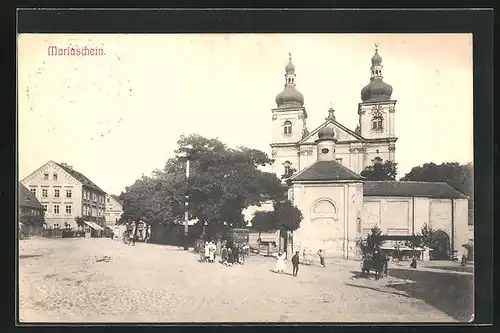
103, 280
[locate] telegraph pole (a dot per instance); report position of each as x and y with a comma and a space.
186, 212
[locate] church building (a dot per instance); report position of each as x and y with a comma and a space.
324, 165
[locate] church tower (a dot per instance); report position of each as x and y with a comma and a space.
289, 124
377, 112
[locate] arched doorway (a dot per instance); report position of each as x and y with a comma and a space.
440, 245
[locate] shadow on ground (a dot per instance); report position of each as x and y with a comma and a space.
448, 292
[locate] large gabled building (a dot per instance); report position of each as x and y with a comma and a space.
65, 194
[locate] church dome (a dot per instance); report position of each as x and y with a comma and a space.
376, 91
290, 67
326, 133
288, 96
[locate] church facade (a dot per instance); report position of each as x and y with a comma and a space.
324, 165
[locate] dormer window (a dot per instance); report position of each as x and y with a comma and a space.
287, 128
377, 124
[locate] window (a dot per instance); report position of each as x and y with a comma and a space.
108, 200
287, 129
45, 206
68, 209
56, 209
377, 123
325, 150
56, 193
33, 190
45, 192
54, 176
56, 225
68, 193
45, 176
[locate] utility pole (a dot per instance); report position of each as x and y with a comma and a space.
186, 212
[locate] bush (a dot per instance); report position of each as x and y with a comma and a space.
371, 244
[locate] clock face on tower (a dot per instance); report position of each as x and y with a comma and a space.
325, 150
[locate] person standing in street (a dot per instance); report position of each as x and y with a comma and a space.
321, 255
280, 263
223, 252
236, 253
295, 263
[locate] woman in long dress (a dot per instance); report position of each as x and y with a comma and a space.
280, 263
207, 252
211, 252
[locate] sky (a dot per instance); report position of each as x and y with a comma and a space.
117, 116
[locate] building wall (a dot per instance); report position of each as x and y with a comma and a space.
461, 215
281, 155
296, 116
330, 217
393, 215
93, 203
366, 115
63, 182
406, 215
114, 210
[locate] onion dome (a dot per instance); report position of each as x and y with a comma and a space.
290, 96
326, 133
377, 90
376, 59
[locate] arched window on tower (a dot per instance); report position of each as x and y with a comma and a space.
377, 124
287, 128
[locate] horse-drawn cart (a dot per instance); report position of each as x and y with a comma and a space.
376, 263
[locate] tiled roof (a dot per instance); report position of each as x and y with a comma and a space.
81, 178
28, 199
411, 189
326, 171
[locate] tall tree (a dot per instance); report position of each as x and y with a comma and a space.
380, 170
458, 176
222, 182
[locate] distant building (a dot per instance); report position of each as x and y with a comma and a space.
65, 194
114, 210
29, 209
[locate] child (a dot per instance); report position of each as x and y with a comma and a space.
295, 263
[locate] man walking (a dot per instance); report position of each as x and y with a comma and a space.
295, 263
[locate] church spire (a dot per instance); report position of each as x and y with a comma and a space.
290, 71
377, 90
376, 68
290, 96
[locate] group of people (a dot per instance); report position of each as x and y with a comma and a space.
208, 252
234, 253
280, 261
